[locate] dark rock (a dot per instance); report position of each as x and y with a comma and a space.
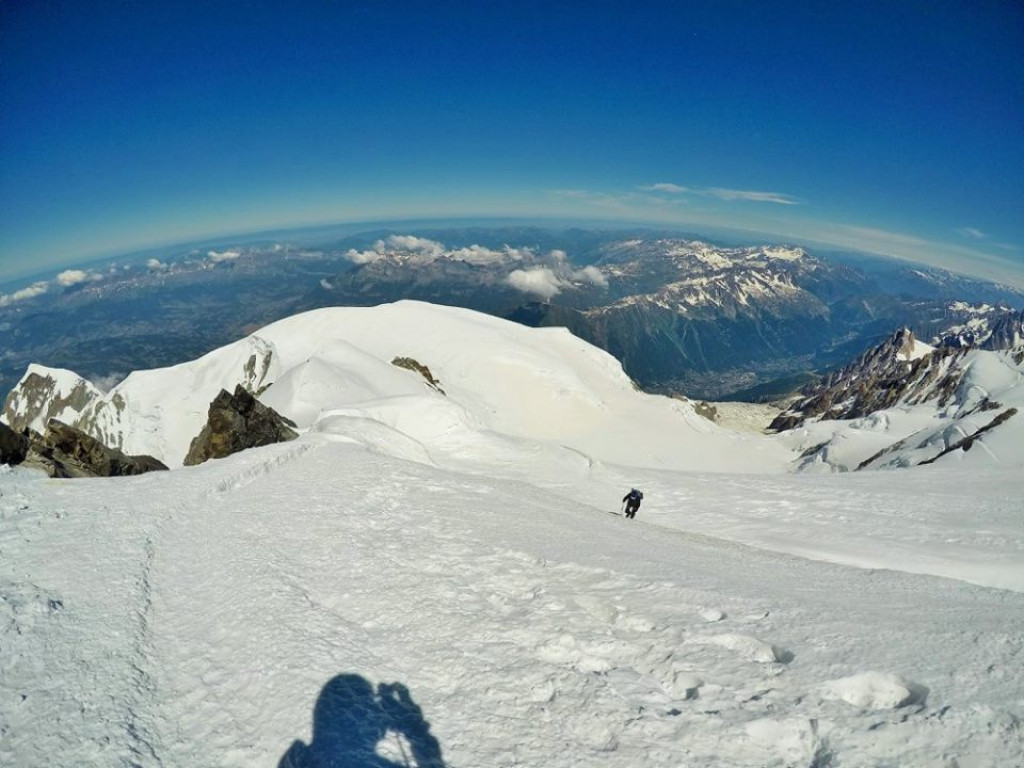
13, 445
1006, 333
236, 422
878, 379
38, 394
66, 452
414, 365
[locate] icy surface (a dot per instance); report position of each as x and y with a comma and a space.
428, 578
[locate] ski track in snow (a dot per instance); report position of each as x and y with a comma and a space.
198, 629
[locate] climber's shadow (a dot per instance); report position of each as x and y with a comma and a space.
358, 726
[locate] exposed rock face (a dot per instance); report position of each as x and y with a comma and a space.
414, 365
47, 393
68, 452
877, 379
986, 326
1007, 332
124, 417
13, 445
236, 422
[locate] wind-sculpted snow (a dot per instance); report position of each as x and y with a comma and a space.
528, 383
317, 601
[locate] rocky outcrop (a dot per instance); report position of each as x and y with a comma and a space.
991, 327
66, 452
417, 367
13, 445
878, 379
1006, 333
47, 393
236, 422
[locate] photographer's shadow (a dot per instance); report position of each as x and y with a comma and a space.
357, 726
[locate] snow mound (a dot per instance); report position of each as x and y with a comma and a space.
450, 379
873, 690
744, 646
794, 740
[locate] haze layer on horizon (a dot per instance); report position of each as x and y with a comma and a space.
890, 129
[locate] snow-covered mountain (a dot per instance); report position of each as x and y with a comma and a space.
685, 316
680, 314
985, 326
332, 370
905, 403
434, 573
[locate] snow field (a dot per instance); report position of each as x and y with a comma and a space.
467, 545
202, 611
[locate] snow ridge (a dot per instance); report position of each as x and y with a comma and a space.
326, 368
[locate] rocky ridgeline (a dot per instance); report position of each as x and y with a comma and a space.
983, 327
878, 379
65, 452
236, 422
44, 394
1007, 332
893, 372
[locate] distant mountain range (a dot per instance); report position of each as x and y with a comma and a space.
904, 403
683, 315
417, 378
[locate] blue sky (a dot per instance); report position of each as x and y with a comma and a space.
893, 127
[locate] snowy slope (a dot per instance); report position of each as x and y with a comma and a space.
498, 377
48, 393
465, 545
194, 618
963, 408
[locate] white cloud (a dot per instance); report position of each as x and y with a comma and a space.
592, 275
156, 265
31, 291
722, 193
477, 254
76, 276
362, 257
674, 189
540, 281
750, 196
422, 250
971, 233
422, 245
218, 256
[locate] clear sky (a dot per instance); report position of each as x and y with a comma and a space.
894, 127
